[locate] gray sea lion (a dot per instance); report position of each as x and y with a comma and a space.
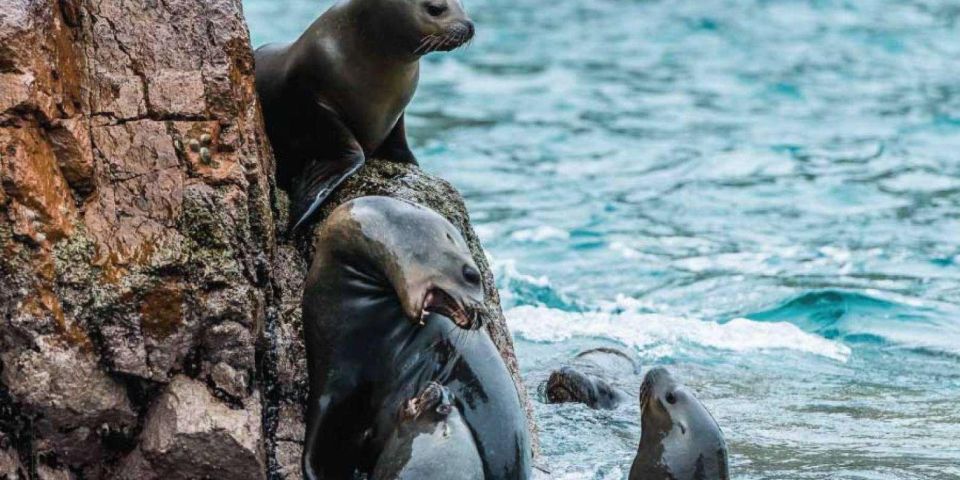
431, 442
390, 305
679, 439
337, 95
591, 379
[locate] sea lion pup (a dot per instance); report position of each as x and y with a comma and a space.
590, 379
390, 304
431, 442
679, 439
337, 95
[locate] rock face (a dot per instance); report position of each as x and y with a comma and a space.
188, 434
129, 262
149, 309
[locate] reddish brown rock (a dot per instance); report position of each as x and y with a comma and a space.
125, 263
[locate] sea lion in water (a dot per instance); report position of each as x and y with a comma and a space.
591, 378
337, 95
430, 442
390, 305
679, 439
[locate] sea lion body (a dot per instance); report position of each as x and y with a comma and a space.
679, 439
336, 96
388, 306
431, 440
592, 378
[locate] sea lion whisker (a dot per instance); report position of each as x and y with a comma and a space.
425, 46
436, 43
446, 40
423, 43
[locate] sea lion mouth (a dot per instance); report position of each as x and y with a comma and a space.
440, 302
455, 37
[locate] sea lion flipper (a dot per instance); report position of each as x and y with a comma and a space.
316, 411
320, 177
394, 147
319, 180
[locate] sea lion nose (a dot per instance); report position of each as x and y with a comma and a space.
436, 8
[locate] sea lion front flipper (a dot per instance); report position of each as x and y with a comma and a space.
316, 411
394, 147
322, 176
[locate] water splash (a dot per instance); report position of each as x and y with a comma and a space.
656, 336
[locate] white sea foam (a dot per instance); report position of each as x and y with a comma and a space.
658, 334
540, 234
507, 270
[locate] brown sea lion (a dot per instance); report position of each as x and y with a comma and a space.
679, 439
591, 378
337, 95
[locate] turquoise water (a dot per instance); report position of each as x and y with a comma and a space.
762, 195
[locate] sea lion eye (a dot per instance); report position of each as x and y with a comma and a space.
671, 398
435, 9
471, 275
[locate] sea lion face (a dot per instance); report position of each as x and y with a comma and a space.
437, 274
425, 26
570, 385
435, 402
417, 251
679, 439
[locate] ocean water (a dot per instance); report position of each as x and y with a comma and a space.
761, 195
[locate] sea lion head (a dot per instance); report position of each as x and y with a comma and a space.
435, 402
419, 27
412, 249
570, 385
679, 438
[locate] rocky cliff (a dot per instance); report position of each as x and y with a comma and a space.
149, 304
